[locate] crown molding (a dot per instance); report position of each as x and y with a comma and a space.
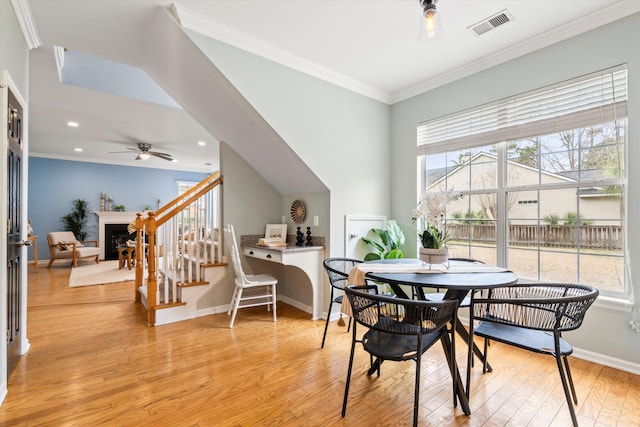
137, 164
579, 26
202, 25
198, 23
28, 26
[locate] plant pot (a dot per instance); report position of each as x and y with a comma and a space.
434, 256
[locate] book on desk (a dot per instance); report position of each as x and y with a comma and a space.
271, 242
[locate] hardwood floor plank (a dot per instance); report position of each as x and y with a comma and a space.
94, 361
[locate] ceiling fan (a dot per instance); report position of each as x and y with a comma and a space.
144, 152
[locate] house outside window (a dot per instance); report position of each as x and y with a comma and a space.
543, 177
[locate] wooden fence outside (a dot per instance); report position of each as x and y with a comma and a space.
589, 236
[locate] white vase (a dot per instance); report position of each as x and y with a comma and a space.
434, 256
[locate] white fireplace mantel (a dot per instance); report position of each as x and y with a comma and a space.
111, 218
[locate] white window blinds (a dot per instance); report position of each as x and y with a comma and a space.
588, 100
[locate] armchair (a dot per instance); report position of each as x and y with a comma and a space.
63, 245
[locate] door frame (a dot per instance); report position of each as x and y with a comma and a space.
7, 84
348, 219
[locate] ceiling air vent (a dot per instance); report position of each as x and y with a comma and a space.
492, 22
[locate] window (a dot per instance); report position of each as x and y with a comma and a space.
199, 215
544, 180
184, 186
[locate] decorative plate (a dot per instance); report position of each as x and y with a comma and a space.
297, 211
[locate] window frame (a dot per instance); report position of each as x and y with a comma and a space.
502, 188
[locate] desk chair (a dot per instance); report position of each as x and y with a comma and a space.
532, 317
338, 271
251, 290
400, 329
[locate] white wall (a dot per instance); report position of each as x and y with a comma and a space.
605, 331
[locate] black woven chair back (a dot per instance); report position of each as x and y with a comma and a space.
338, 270
398, 315
539, 306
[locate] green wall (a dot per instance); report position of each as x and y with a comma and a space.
14, 54
606, 330
365, 151
342, 136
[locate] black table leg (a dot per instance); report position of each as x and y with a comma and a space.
455, 375
462, 331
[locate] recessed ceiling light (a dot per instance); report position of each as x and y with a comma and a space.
73, 124
202, 143
78, 150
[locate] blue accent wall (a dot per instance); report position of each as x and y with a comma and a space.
54, 184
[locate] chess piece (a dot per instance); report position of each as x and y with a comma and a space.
299, 238
309, 243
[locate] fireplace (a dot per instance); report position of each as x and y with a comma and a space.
120, 219
115, 235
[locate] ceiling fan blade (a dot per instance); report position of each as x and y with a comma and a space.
128, 152
164, 156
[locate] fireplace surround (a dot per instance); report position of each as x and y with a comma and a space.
111, 218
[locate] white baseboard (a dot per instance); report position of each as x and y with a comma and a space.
224, 308
3, 392
611, 362
296, 304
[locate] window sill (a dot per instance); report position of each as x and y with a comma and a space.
612, 303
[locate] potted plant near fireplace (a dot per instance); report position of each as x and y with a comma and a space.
75, 221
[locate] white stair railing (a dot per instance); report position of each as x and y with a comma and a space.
182, 237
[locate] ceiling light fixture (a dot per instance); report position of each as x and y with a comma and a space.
144, 156
430, 23
202, 143
73, 124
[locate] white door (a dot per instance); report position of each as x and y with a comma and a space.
357, 226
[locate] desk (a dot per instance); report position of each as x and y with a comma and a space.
34, 245
306, 258
457, 285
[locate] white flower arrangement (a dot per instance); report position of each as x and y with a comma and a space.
429, 217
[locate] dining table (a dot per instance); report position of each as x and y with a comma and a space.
458, 278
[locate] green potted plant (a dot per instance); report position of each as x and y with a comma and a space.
387, 242
75, 221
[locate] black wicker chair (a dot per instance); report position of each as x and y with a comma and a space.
400, 329
533, 317
338, 271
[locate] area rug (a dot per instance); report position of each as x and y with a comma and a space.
100, 274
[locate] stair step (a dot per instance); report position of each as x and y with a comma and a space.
185, 285
170, 305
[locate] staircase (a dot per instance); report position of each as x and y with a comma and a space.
183, 247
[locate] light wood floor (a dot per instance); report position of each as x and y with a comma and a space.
93, 361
